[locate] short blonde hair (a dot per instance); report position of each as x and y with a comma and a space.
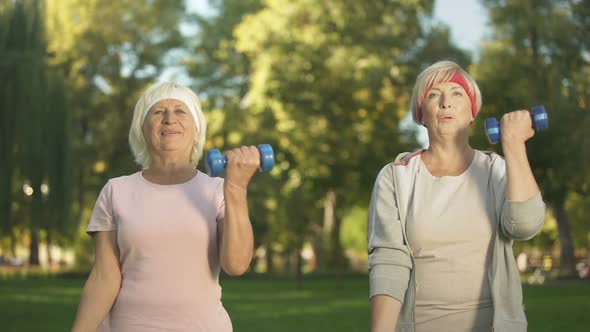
155, 93
440, 72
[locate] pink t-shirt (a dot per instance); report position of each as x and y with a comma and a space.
167, 238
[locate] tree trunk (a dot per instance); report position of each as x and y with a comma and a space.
13, 243
6, 195
337, 255
299, 267
254, 261
326, 246
329, 205
268, 257
36, 215
47, 224
48, 244
317, 246
567, 264
8, 122
34, 246
332, 225
81, 199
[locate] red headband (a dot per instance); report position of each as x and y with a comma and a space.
459, 79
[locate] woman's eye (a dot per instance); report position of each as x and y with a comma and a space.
457, 93
179, 111
157, 112
432, 95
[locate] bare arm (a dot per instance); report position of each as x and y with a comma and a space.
520, 182
102, 286
236, 236
384, 313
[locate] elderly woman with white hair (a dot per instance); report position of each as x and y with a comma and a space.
442, 221
162, 234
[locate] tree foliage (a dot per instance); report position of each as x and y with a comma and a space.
538, 55
329, 82
35, 127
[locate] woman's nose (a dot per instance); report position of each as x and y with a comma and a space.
169, 118
444, 103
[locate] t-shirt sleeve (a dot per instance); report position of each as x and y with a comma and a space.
103, 217
220, 202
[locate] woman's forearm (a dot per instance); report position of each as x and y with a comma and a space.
237, 238
520, 182
98, 297
384, 313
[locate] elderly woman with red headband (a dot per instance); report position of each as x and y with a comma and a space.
442, 221
162, 234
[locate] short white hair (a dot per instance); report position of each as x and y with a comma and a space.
155, 93
440, 72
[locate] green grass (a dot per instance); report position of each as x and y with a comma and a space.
562, 306
48, 304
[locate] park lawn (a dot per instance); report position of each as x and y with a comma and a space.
275, 305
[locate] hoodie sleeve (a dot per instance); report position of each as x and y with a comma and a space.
523, 220
519, 220
389, 256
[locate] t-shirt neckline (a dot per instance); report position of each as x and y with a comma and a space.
450, 177
191, 180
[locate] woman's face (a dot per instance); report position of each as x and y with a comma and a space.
447, 108
170, 128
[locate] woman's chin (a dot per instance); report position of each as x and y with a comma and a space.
452, 130
172, 147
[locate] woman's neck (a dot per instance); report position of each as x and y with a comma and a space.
448, 157
167, 171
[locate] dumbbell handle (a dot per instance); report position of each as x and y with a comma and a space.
539, 117
216, 162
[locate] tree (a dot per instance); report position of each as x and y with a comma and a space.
74, 68
109, 51
335, 79
35, 124
219, 77
537, 56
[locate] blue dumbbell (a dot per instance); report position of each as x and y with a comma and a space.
538, 116
216, 162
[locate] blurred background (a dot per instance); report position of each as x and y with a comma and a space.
328, 84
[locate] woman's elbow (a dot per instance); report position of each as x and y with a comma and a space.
236, 267
235, 270
526, 230
523, 220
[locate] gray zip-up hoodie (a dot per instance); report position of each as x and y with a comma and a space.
391, 260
